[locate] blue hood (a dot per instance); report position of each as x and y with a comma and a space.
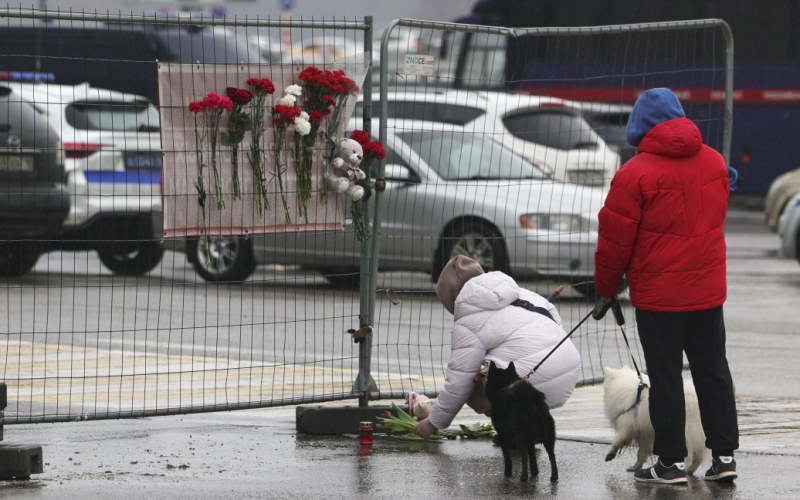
652, 108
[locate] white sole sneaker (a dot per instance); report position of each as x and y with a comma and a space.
661, 480
723, 477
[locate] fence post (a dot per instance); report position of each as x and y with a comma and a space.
364, 382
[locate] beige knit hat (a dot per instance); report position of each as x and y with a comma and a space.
454, 276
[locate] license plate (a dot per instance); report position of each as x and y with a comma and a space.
143, 160
16, 164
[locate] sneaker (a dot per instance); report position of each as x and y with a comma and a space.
661, 474
722, 469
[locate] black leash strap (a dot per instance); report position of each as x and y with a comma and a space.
559, 345
532, 308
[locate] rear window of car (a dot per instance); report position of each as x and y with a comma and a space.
551, 129
116, 117
454, 114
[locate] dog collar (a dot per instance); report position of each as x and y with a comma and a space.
512, 385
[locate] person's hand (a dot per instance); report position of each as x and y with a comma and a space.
602, 307
424, 429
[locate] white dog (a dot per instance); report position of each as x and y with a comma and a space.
631, 420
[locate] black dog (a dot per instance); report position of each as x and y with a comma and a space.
521, 418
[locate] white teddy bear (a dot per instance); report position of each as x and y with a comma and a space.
346, 171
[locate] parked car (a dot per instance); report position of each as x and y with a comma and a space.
450, 191
610, 121
121, 57
780, 193
112, 152
546, 131
789, 229
33, 196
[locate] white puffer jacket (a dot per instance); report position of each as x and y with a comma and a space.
488, 327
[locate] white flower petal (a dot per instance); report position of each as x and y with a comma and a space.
288, 100
295, 90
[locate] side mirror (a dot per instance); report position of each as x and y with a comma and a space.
399, 173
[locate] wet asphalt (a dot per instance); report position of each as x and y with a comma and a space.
257, 454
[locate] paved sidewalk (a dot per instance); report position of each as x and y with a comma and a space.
256, 454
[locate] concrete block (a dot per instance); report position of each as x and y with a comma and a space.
336, 419
20, 461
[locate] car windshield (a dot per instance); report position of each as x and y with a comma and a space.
469, 156
113, 117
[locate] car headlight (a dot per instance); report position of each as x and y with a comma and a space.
561, 223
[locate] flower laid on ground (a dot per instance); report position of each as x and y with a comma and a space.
238, 125
401, 425
260, 88
282, 117
373, 150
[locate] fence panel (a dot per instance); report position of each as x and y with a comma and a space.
104, 316
502, 144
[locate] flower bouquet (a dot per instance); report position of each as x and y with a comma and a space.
260, 88
238, 125
283, 116
213, 107
402, 426
324, 94
373, 150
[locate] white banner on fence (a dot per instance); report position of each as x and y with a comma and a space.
180, 84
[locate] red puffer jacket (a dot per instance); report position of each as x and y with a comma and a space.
662, 223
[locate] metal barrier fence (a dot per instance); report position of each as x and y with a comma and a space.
128, 309
502, 145
133, 308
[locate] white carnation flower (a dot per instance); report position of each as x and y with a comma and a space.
288, 100
295, 90
304, 116
302, 127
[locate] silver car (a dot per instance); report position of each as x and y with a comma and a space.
448, 192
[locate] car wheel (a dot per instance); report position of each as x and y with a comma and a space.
348, 280
131, 259
17, 258
223, 259
797, 246
477, 240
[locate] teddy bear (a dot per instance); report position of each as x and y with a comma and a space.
346, 173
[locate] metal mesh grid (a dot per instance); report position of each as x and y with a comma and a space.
111, 321
518, 105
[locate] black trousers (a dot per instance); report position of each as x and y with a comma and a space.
701, 334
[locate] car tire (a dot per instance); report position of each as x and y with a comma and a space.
476, 239
17, 258
231, 259
797, 246
346, 280
126, 260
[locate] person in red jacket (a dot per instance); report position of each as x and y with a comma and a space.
662, 227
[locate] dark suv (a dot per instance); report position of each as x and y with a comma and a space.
33, 195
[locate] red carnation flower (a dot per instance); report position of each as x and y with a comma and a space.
267, 86
239, 96
329, 100
226, 103
315, 115
326, 112
360, 137
276, 121
375, 149
197, 107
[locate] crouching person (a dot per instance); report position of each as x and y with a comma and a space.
493, 324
